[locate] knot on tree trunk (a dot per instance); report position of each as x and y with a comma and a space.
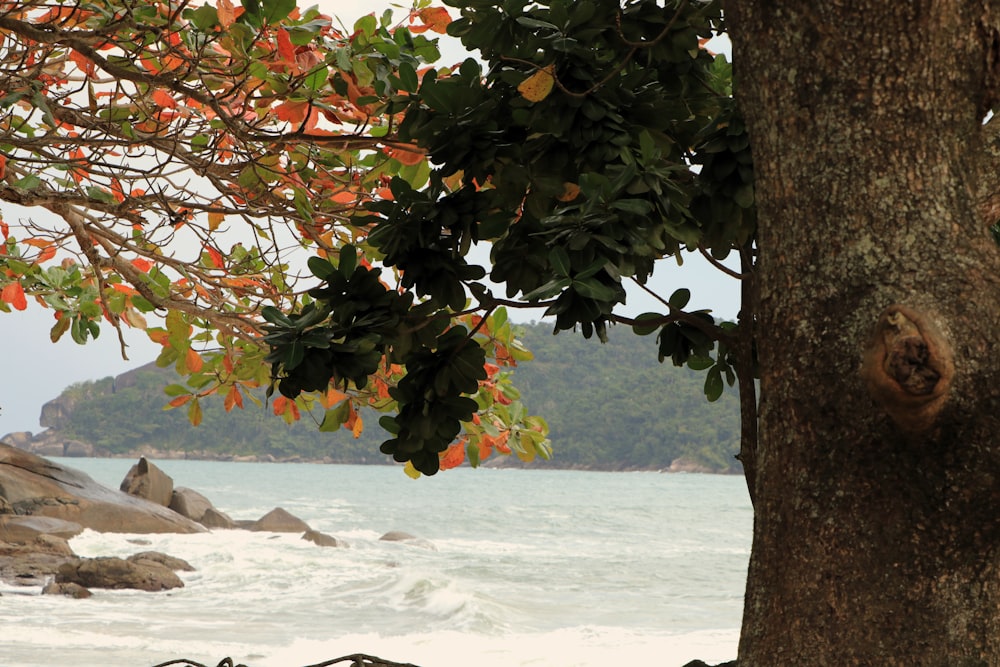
908, 367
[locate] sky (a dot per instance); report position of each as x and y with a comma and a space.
35, 371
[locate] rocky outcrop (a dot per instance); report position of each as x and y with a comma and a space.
408, 539
145, 480
32, 563
213, 518
68, 589
280, 520
322, 539
34, 486
22, 529
160, 558
117, 573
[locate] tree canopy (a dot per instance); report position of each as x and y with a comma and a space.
281, 200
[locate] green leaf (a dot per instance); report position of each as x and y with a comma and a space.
274, 11
29, 182
714, 386
680, 298
559, 259
647, 323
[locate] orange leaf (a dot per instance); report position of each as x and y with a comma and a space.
538, 86
163, 99
46, 254
123, 288
344, 197
291, 112
158, 336
433, 18
570, 192
143, 265
180, 400
406, 157
453, 456
358, 427
332, 397
226, 12
233, 398
3, 172
37, 243
193, 361
14, 295
83, 62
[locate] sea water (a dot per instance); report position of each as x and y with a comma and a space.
516, 568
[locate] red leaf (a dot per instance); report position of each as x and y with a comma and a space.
285, 48
216, 257
14, 295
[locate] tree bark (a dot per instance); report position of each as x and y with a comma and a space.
878, 299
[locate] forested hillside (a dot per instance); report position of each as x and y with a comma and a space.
609, 406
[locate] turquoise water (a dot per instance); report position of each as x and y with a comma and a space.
547, 568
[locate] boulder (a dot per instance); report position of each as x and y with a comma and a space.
213, 518
188, 502
35, 486
26, 528
159, 558
32, 563
116, 573
322, 539
19, 439
77, 448
145, 480
406, 538
68, 589
279, 520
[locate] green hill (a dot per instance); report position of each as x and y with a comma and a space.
609, 406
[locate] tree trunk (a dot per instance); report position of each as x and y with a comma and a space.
878, 467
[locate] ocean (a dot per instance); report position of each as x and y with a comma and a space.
517, 568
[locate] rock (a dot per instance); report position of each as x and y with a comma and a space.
76, 448
26, 528
33, 563
169, 562
322, 539
147, 481
35, 486
411, 540
188, 502
213, 518
279, 520
47, 448
116, 573
68, 589
19, 439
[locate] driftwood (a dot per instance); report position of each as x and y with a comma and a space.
355, 660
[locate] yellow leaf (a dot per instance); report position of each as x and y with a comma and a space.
538, 86
410, 471
214, 220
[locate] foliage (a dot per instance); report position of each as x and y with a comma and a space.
186, 156
173, 165
607, 407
